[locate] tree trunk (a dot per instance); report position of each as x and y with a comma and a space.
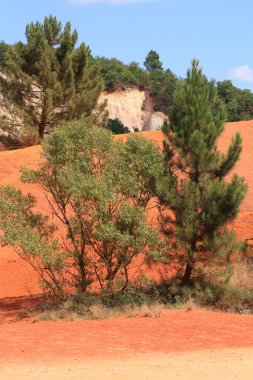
83, 282
186, 280
42, 130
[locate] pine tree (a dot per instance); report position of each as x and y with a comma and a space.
195, 190
152, 61
48, 79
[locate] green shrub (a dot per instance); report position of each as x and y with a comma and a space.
117, 127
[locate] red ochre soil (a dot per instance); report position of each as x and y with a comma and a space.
174, 331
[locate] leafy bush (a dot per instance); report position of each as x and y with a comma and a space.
98, 204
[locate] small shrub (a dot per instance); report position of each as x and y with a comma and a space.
117, 127
29, 136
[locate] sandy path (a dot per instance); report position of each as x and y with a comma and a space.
208, 365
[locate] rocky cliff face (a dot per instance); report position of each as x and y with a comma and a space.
134, 108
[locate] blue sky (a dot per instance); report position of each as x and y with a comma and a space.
217, 32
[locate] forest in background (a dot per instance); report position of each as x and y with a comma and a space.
161, 83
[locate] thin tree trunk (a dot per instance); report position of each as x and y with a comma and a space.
42, 128
83, 283
186, 280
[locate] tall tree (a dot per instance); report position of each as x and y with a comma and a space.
152, 61
195, 190
48, 79
161, 82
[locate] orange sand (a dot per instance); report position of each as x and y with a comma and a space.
175, 331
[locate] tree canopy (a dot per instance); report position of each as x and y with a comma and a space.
98, 190
238, 103
160, 83
48, 79
152, 61
117, 75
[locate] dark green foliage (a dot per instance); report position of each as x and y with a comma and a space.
239, 103
35, 63
49, 79
161, 83
117, 75
152, 61
162, 86
117, 127
226, 298
245, 104
222, 297
4, 48
140, 75
203, 203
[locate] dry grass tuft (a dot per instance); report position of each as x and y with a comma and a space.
153, 311
100, 312
189, 304
243, 275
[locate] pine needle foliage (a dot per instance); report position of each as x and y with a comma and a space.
48, 79
195, 190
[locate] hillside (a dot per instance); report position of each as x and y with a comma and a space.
16, 277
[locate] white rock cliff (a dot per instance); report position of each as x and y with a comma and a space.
134, 108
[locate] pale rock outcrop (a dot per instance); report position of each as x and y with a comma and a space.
134, 108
